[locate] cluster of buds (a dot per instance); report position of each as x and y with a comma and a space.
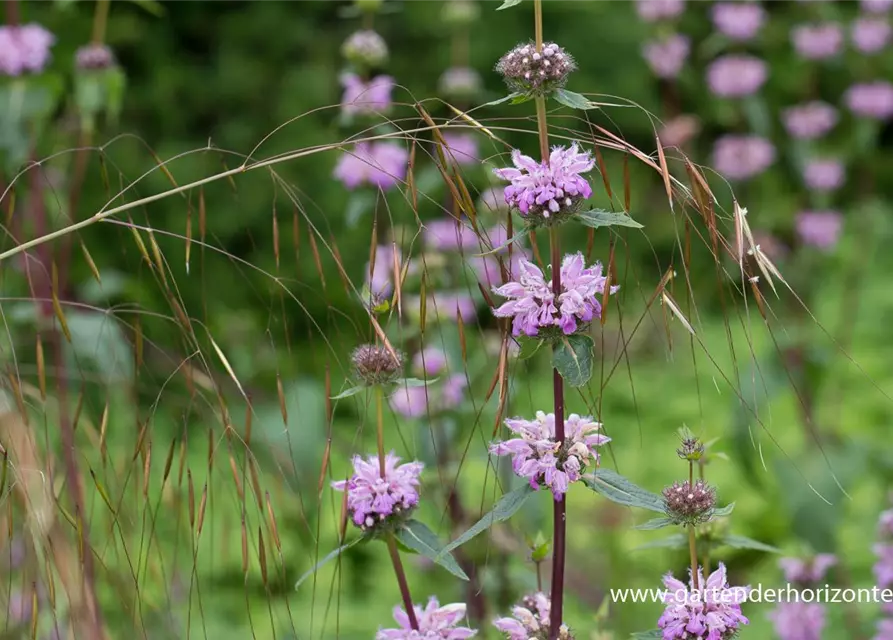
94, 57
692, 449
689, 504
533, 72
376, 364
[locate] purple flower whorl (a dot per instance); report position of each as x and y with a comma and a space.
713, 611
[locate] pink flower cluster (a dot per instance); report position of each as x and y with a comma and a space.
736, 75
372, 498
547, 188
543, 460
797, 620
883, 549
739, 21
435, 623
417, 402
366, 97
24, 48
810, 120
713, 611
818, 41
379, 164
873, 100
532, 305
742, 157
666, 57
530, 620
819, 229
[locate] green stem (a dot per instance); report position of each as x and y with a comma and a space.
693, 553
100, 20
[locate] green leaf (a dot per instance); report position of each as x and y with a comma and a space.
572, 358
504, 509
655, 523
618, 489
418, 537
596, 218
675, 541
509, 98
529, 347
508, 4
654, 634
521, 98
724, 511
743, 542
572, 99
414, 382
334, 554
350, 392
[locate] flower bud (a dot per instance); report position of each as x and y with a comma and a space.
94, 57
376, 364
459, 13
365, 49
460, 83
690, 504
529, 71
692, 450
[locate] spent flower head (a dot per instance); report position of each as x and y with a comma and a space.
365, 49
435, 623
690, 504
534, 308
376, 364
711, 612
547, 192
545, 461
533, 72
94, 57
530, 620
377, 502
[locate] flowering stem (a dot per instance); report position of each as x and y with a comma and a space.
559, 506
538, 23
379, 427
100, 19
693, 552
12, 12
401, 580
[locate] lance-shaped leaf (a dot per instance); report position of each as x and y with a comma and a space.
504, 509
572, 99
514, 98
655, 523
743, 542
596, 218
675, 541
573, 359
724, 511
352, 391
507, 4
418, 537
331, 556
414, 382
618, 489
654, 634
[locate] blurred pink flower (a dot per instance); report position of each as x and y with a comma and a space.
736, 75
429, 362
24, 48
810, 120
798, 620
380, 164
871, 34
741, 157
877, 6
493, 199
884, 630
871, 99
818, 41
366, 97
738, 20
462, 147
447, 234
380, 274
823, 174
654, 10
819, 229
667, 56
678, 131
807, 571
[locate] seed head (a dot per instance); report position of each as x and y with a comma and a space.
690, 504
459, 13
692, 450
375, 364
94, 57
536, 72
365, 49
